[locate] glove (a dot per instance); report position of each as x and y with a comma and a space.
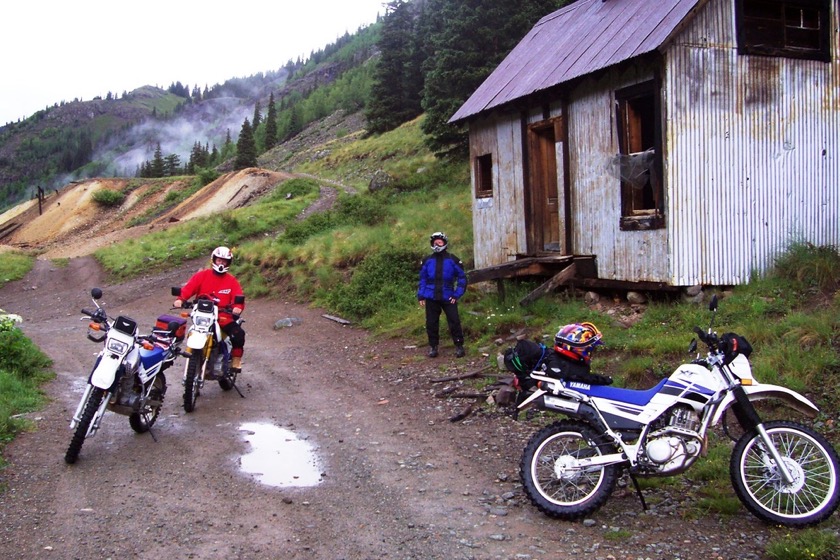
177, 303
236, 310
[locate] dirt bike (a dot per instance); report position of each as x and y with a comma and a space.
782, 471
127, 377
208, 348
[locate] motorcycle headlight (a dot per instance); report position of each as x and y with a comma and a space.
117, 346
203, 321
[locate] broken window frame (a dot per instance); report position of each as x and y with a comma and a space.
483, 166
784, 28
638, 116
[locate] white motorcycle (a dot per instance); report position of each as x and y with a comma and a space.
127, 377
782, 471
208, 349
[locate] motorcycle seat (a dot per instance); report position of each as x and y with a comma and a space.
639, 397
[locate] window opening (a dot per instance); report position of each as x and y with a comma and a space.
792, 29
640, 159
484, 176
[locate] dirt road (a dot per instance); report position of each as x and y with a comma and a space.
396, 478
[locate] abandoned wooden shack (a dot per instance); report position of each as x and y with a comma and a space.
658, 144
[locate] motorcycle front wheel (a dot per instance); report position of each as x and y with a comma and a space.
554, 482
192, 381
142, 421
92, 405
810, 498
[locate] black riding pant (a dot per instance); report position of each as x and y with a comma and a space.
237, 337
433, 310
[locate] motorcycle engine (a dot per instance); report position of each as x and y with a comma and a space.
674, 443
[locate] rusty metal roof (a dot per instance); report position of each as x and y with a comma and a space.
576, 40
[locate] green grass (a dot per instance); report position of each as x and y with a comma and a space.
23, 368
807, 544
15, 266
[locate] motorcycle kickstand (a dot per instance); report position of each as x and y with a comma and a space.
237, 389
151, 433
639, 492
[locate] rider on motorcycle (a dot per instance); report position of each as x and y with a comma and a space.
218, 283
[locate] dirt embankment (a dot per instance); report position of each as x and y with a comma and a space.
68, 223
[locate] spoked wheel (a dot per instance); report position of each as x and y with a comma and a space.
92, 405
141, 421
553, 477
192, 382
812, 495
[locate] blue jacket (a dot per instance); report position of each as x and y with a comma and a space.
441, 277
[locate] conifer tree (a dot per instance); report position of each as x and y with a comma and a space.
246, 149
271, 124
467, 40
157, 167
398, 79
255, 122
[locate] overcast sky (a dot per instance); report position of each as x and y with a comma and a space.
59, 50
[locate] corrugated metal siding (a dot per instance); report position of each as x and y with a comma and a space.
596, 188
752, 153
581, 38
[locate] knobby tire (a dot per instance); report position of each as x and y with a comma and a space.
92, 405
815, 492
193, 379
141, 422
577, 492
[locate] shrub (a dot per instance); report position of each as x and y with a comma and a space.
108, 198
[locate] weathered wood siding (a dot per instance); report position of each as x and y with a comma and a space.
498, 221
753, 152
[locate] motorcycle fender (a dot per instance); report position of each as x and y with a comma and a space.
105, 373
197, 340
761, 392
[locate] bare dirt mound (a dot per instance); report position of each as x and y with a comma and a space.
68, 223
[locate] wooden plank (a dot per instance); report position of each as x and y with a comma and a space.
563, 276
521, 267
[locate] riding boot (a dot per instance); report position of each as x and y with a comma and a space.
236, 364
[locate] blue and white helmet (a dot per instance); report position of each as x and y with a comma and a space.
438, 235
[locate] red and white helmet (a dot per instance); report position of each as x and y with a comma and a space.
224, 254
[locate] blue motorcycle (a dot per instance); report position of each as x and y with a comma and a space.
127, 377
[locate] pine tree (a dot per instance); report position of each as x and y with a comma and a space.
157, 166
246, 149
468, 39
398, 79
271, 124
257, 117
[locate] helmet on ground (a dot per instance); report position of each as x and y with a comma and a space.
578, 341
438, 235
224, 254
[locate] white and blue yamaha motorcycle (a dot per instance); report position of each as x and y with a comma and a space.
782, 471
127, 377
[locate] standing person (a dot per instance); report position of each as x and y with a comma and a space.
219, 284
442, 283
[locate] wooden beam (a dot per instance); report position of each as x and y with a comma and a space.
563, 276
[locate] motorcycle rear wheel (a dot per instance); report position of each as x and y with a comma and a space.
193, 380
92, 405
548, 475
814, 493
142, 421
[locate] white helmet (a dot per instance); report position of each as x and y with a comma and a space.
438, 235
221, 253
